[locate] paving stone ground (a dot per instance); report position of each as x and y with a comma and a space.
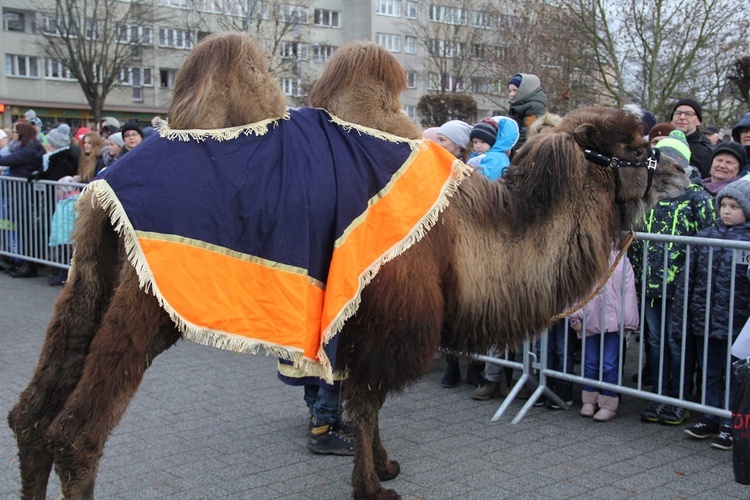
211, 424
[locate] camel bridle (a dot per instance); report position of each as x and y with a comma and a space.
616, 163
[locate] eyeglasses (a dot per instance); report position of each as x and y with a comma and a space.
689, 114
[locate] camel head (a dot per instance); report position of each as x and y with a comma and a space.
361, 83
613, 139
224, 82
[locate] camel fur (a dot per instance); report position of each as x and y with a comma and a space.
504, 258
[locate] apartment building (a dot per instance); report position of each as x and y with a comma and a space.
302, 36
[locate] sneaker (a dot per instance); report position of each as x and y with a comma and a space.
724, 440
540, 402
486, 391
703, 429
565, 391
673, 415
325, 440
343, 427
452, 376
652, 412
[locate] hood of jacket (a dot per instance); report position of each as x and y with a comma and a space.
529, 90
743, 123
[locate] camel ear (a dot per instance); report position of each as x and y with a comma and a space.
586, 135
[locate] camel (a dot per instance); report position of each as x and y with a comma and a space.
502, 260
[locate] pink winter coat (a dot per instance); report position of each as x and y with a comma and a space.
613, 309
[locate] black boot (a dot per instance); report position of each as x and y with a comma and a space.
452, 375
26, 270
474, 374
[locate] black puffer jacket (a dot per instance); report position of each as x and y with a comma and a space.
721, 276
61, 163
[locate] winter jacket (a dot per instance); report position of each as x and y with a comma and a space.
60, 163
529, 103
609, 303
685, 215
495, 162
24, 160
721, 276
701, 152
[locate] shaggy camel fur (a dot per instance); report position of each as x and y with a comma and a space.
504, 258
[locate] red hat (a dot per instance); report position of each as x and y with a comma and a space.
80, 133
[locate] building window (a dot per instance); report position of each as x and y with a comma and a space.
55, 26
137, 94
388, 7
412, 8
56, 70
410, 45
176, 39
410, 111
21, 66
293, 50
327, 18
445, 48
17, 20
291, 87
321, 53
448, 15
481, 19
166, 77
211, 6
93, 29
240, 8
136, 76
177, 4
411, 79
134, 34
391, 42
293, 14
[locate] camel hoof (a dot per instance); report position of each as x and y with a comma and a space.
391, 470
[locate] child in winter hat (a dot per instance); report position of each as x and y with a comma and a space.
454, 136
739, 191
485, 131
676, 147
59, 137
658, 131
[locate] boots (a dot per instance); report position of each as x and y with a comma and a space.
26, 270
452, 375
589, 403
607, 408
474, 374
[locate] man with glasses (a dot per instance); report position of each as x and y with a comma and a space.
687, 116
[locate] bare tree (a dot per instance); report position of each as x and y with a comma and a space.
654, 52
95, 40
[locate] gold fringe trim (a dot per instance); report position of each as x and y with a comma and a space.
220, 134
415, 144
106, 199
460, 172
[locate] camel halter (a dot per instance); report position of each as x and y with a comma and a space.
616, 163
603, 282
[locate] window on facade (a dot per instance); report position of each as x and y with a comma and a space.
410, 111
445, 48
410, 45
291, 86
176, 39
412, 8
448, 15
166, 77
21, 66
293, 50
92, 29
57, 26
481, 19
240, 8
127, 33
482, 86
177, 4
56, 70
328, 18
293, 14
212, 6
321, 53
411, 79
391, 42
136, 76
388, 7
18, 20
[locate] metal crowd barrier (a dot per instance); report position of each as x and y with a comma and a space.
36, 219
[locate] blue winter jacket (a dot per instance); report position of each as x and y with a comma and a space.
495, 162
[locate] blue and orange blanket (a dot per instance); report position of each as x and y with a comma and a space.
265, 235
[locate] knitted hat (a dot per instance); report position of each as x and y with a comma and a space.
30, 114
117, 139
430, 133
660, 130
59, 137
516, 80
457, 131
486, 130
734, 149
81, 132
131, 125
676, 147
693, 104
738, 190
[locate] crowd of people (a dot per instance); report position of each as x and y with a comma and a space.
34, 152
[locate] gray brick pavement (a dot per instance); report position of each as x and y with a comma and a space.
211, 424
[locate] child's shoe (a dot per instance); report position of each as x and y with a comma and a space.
674, 415
703, 429
487, 390
607, 408
724, 440
589, 403
652, 412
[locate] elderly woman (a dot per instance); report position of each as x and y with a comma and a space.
727, 161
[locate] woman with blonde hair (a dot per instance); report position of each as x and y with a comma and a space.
91, 160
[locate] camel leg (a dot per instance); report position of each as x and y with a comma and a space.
127, 340
370, 458
76, 317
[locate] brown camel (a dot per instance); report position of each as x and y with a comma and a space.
504, 258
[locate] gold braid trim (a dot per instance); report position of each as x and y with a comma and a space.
220, 134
